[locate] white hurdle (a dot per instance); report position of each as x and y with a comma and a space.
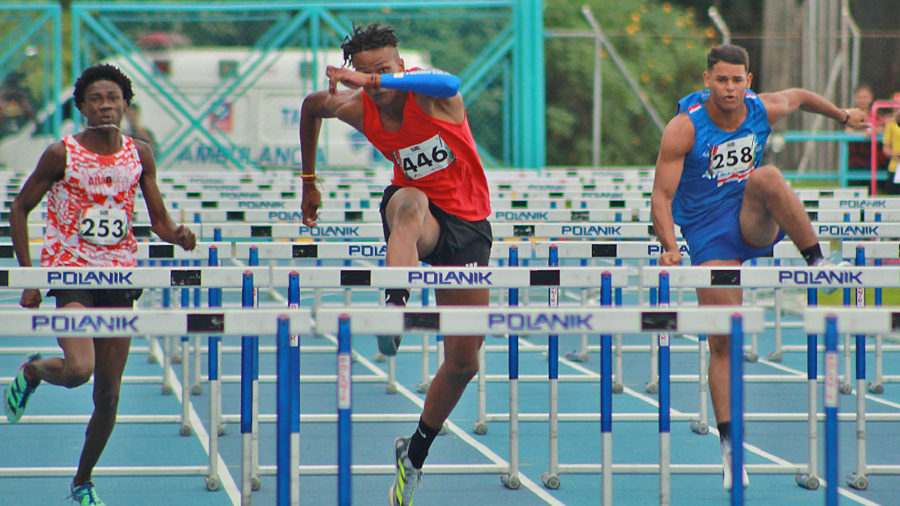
859, 321
515, 321
811, 278
213, 322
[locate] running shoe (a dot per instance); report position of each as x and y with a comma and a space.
85, 495
388, 345
18, 392
408, 477
825, 262
727, 479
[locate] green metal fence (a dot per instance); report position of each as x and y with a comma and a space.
30, 80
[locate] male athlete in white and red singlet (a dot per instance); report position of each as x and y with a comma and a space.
434, 211
92, 178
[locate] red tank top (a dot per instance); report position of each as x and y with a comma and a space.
435, 156
89, 211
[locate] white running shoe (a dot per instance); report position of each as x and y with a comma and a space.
727, 479
825, 262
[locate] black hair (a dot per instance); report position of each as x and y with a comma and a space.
735, 55
371, 37
102, 72
863, 86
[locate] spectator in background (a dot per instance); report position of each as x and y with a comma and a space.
891, 148
137, 131
860, 153
16, 105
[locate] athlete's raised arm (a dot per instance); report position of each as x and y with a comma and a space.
782, 103
677, 142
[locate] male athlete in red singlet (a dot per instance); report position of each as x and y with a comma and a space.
435, 209
92, 178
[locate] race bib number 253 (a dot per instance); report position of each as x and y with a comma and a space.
103, 227
424, 158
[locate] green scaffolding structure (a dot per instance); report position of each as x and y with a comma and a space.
495, 46
30, 72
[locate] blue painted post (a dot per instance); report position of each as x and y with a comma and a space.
831, 411
344, 405
810, 480
294, 302
215, 390
246, 396
551, 477
284, 420
665, 454
737, 410
511, 479
606, 397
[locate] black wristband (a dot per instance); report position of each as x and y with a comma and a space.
847, 118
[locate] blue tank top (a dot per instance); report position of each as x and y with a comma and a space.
717, 167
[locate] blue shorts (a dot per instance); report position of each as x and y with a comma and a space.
719, 238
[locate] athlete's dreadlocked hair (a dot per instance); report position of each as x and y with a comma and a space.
373, 36
102, 72
735, 55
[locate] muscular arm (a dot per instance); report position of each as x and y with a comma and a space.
780, 104
677, 142
161, 223
344, 105
50, 169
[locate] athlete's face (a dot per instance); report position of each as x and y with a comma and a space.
385, 60
726, 83
103, 104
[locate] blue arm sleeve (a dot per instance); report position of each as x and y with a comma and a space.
433, 83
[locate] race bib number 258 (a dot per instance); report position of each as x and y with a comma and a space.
104, 227
424, 158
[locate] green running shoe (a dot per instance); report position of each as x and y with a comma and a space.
17, 393
85, 495
408, 477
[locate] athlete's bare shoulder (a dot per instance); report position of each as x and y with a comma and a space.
678, 136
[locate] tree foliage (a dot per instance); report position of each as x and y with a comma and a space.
664, 48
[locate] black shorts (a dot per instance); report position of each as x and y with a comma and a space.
98, 297
461, 242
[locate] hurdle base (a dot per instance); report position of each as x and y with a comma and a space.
480, 427
618, 388
423, 386
651, 387
577, 356
701, 428
875, 388
212, 483
846, 388
751, 358
511, 481
255, 483
857, 481
550, 481
809, 482
774, 356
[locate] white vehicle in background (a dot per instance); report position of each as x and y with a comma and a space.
223, 108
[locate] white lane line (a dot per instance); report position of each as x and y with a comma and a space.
225, 478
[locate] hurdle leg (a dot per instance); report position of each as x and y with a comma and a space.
810, 480
775, 355
877, 386
480, 424
255, 483
167, 366
197, 387
752, 355
511, 479
246, 421
846, 386
317, 303
618, 387
859, 479
185, 388
212, 473
652, 385
701, 424
423, 385
581, 354
551, 477
221, 427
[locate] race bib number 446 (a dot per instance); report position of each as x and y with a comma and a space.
733, 160
103, 227
424, 158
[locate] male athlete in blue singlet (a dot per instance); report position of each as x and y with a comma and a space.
709, 181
